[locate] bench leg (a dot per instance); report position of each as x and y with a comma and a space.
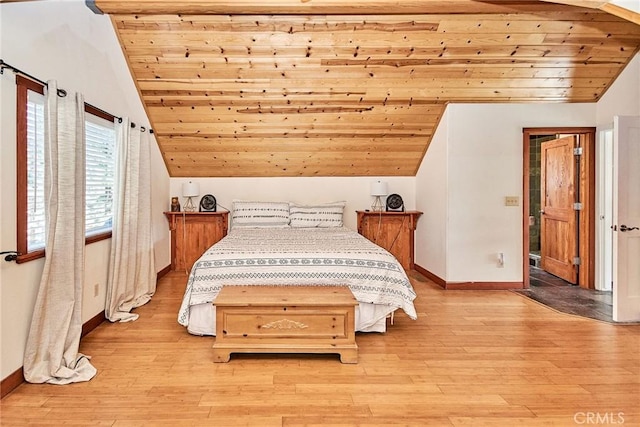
221, 356
349, 356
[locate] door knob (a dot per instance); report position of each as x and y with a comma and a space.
625, 228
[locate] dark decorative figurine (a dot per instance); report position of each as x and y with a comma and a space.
175, 204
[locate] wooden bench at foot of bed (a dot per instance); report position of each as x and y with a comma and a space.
285, 319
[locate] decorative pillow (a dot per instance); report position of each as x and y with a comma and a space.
260, 214
321, 216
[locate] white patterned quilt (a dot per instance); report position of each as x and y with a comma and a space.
299, 256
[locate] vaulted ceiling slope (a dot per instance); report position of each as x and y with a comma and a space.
348, 87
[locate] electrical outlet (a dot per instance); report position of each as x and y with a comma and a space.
500, 259
96, 289
512, 201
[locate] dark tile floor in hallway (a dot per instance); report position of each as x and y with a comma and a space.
554, 292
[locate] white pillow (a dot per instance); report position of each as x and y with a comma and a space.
319, 216
260, 214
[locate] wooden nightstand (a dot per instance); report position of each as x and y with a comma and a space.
393, 231
192, 233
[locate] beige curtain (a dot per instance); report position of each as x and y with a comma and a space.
51, 354
132, 274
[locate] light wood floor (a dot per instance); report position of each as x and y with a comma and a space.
481, 358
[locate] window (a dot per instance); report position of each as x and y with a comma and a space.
29, 244
100, 170
35, 171
100, 148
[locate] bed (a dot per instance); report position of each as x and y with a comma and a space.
301, 245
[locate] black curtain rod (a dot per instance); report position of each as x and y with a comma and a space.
61, 92
11, 255
3, 65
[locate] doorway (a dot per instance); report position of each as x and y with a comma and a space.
549, 242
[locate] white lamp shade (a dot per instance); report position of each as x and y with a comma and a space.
379, 188
190, 189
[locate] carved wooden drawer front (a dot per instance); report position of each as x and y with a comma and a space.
285, 319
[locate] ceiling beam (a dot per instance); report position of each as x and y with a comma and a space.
343, 7
591, 4
621, 12
605, 6
312, 7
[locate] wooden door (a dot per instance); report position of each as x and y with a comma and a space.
626, 219
558, 224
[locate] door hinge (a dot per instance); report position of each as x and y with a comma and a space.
577, 206
577, 151
576, 260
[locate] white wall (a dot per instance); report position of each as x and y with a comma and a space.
61, 40
633, 5
354, 190
432, 188
483, 159
474, 161
623, 97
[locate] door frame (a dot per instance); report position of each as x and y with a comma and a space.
586, 225
604, 216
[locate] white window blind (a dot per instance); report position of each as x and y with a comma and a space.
35, 171
100, 172
100, 154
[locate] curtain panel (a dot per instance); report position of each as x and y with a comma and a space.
51, 354
132, 275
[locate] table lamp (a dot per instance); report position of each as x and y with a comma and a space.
378, 190
190, 190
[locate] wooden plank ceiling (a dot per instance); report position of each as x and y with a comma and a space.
348, 87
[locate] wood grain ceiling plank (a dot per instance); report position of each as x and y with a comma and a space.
368, 85
202, 129
268, 171
287, 167
320, 20
617, 61
516, 24
183, 71
333, 88
335, 134
333, 162
318, 158
231, 103
221, 145
293, 117
209, 61
300, 125
279, 119
577, 71
189, 113
331, 65
464, 94
370, 39
412, 26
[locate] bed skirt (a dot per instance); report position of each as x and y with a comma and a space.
369, 318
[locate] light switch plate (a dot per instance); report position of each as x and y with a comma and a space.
512, 201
